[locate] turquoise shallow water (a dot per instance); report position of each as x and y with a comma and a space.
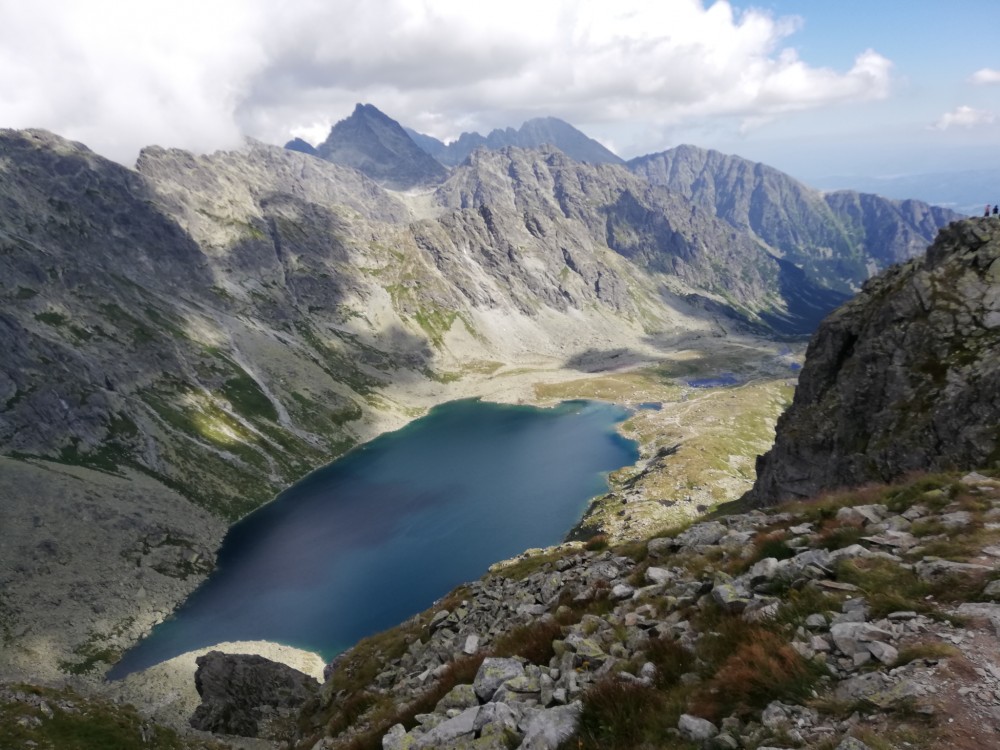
378, 535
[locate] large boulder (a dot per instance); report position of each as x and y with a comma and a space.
239, 691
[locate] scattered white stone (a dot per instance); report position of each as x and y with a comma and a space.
883, 652
696, 729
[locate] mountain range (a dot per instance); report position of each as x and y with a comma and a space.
184, 339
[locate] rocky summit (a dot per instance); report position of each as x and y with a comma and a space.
904, 377
377, 145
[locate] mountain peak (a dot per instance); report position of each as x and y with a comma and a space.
376, 145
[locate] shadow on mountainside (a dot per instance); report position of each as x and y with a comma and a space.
604, 360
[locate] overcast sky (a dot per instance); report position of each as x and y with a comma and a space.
813, 87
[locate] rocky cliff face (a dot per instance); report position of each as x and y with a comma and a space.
903, 378
377, 145
543, 199
839, 239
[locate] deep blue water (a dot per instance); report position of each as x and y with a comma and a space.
375, 537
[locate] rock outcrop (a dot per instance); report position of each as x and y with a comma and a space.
905, 377
248, 695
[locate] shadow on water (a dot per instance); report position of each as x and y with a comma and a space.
377, 536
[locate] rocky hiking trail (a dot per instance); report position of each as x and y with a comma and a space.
863, 619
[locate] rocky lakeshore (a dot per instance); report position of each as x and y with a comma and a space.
863, 619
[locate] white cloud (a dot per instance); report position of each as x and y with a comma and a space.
986, 75
964, 117
196, 75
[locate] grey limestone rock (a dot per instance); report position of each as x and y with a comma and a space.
660, 546
493, 673
852, 743
495, 718
657, 575
696, 729
459, 727
709, 532
933, 568
548, 728
459, 697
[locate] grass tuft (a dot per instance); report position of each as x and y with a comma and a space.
622, 716
762, 668
532, 641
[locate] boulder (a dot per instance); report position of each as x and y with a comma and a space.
495, 718
493, 673
238, 690
661, 547
701, 534
449, 731
730, 598
622, 591
695, 729
547, 729
933, 568
459, 697
656, 575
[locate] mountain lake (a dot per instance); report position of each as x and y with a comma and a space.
373, 538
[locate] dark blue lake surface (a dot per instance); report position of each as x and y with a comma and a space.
360, 545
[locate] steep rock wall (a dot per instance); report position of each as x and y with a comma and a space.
905, 377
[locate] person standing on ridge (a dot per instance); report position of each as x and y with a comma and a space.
987, 213
996, 211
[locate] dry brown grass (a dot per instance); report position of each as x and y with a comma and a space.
625, 716
762, 667
533, 641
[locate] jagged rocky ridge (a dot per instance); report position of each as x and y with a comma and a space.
535, 133
838, 239
904, 377
823, 624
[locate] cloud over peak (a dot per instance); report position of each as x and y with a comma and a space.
119, 76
